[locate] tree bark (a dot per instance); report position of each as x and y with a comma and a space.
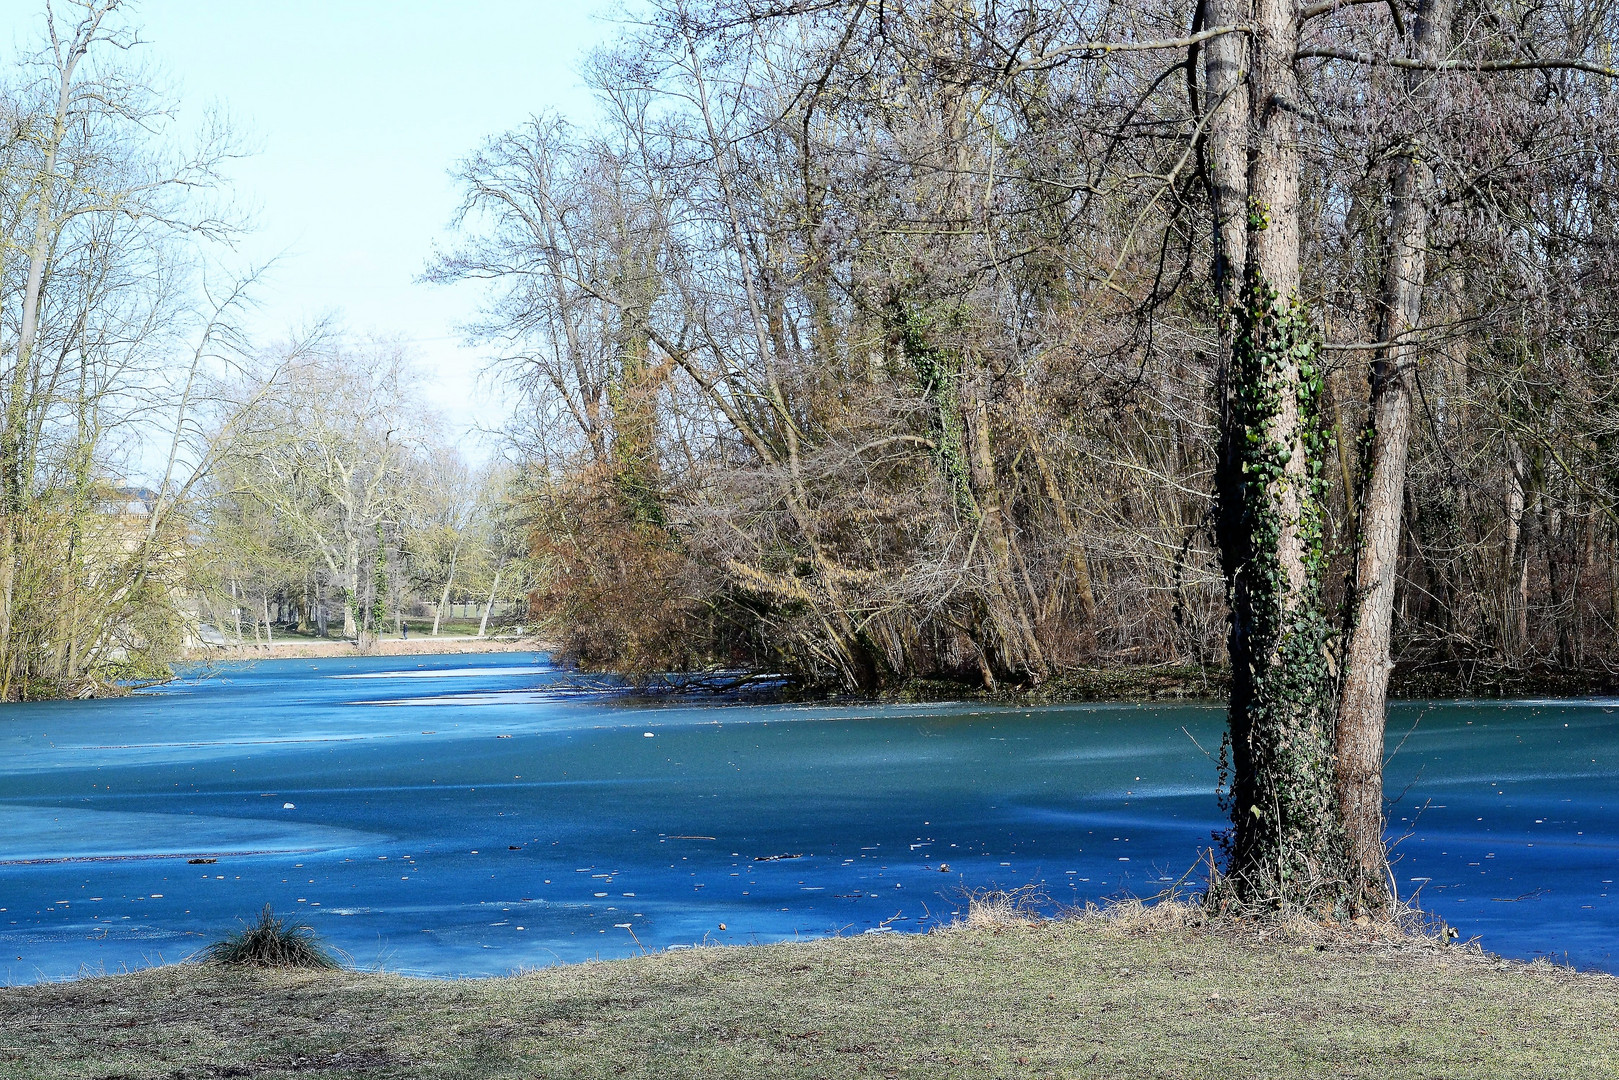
1363, 699
1225, 68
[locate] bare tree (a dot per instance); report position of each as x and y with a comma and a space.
101, 345
325, 437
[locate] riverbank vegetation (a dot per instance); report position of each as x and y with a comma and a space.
340, 508
108, 326
164, 480
1088, 997
868, 349
935, 341
875, 345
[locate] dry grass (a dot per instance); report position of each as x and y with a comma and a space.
272, 941
1136, 992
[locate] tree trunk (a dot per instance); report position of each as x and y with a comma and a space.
1363, 699
1225, 68
1284, 847
981, 473
13, 467
351, 572
1512, 628
444, 597
494, 588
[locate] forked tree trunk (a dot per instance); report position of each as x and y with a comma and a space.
1364, 696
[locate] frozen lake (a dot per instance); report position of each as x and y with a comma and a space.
461, 815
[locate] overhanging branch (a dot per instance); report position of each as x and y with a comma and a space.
1091, 50
1525, 64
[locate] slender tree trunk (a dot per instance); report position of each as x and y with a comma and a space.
1363, 699
995, 526
379, 589
444, 597
351, 573
494, 588
1512, 628
13, 468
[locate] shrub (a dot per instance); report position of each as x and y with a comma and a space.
272, 942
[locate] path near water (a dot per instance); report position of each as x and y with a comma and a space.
476, 814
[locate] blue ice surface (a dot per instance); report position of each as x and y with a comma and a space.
471, 815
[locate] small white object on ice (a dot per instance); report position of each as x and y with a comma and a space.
288, 806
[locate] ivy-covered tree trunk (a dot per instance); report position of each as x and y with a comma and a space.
1285, 845
379, 588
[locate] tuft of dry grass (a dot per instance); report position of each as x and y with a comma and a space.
989, 908
1135, 991
271, 942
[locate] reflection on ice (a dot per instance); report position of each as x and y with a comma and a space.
41, 834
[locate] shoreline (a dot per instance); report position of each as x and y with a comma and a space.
303, 648
1190, 682
1124, 683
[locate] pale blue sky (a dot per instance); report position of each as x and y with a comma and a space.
358, 109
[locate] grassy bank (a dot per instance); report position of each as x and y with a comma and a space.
1079, 998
